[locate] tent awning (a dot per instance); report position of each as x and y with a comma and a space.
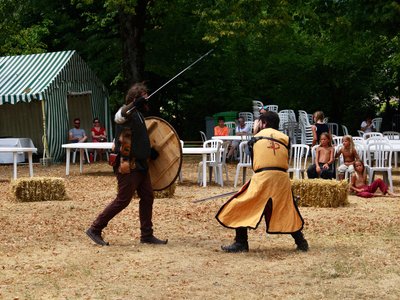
24, 78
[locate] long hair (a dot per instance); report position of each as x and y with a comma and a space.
319, 116
328, 136
364, 171
350, 139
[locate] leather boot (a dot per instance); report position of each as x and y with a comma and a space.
240, 244
236, 247
301, 242
96, 237
152, 240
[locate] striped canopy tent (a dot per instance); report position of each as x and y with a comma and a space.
41, 94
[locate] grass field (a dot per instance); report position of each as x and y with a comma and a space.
44, 253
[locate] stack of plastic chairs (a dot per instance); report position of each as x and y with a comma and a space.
305, 128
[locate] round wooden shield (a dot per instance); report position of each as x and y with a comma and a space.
165, 169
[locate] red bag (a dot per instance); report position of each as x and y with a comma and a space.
112, 159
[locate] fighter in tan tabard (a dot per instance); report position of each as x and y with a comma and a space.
267, 194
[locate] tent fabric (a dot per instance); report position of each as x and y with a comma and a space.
50, 77
26, 77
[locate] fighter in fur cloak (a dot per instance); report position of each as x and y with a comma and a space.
267, 194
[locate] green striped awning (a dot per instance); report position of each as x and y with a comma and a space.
24, 78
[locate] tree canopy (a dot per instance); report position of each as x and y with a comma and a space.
341, 57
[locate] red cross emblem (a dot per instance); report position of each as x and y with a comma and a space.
274, 146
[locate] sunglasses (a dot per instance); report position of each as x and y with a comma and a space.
77, 123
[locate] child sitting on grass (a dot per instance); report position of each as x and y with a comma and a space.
350, 155
359, 183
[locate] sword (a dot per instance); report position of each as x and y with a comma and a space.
184, 70
214, 197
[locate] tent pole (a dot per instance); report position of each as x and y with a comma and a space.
44, 137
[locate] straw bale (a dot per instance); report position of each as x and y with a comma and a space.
38, 189
167, 193
321, 192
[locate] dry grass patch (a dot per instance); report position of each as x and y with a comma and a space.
44, 253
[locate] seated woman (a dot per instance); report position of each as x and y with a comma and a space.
99, 135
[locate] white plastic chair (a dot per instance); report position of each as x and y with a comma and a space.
345, 130
298, 160
360, 133
392, 135
231, 125
377, 122
213, 162
203, 136
313, 153
379, 159
225, 150
337, 140
333, 128
244, 161
291, 129
95, 154
358, 139
272, 107
247, 116
305, 128
376, 138
250, 124
257, 105
180, 171
367, 135
74, 155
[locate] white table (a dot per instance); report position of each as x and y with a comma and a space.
15, 151
203, 152
7, 157
82, 147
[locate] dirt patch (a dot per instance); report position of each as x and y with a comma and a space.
44, 253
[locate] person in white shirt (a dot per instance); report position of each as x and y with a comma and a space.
367, 125
241, 130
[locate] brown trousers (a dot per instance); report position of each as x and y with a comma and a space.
127, 184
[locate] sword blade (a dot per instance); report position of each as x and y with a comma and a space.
184, 70
214, 197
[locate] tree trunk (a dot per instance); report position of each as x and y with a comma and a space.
133, 48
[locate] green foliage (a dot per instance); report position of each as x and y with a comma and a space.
341, 57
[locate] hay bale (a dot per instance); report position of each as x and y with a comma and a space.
321, 192
167, 193
38, 189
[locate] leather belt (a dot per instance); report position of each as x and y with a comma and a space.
270, 169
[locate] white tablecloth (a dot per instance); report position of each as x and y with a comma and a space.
7, 158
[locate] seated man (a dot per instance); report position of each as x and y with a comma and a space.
241, 130
367, 125
221, 129
77, 134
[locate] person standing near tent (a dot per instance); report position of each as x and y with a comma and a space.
132, 145
77, 134
267, 194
